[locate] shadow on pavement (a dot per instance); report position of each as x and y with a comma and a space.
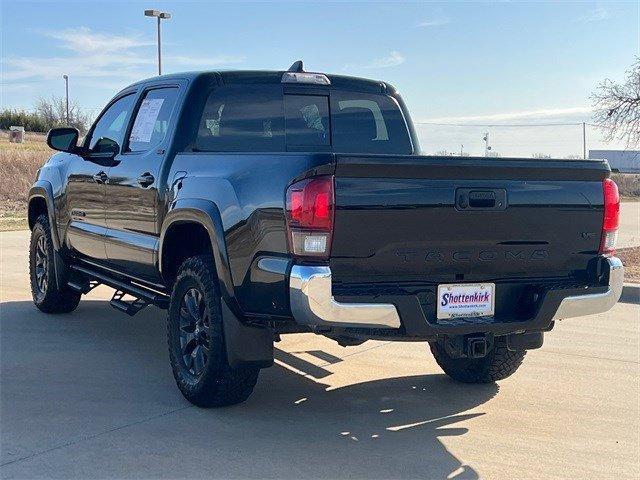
630, 294
99, 383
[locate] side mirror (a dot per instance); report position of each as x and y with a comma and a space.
64, 139
104, 149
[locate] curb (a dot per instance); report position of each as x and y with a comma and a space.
630, 294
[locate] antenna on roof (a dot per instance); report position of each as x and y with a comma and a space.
296, 74
296, 67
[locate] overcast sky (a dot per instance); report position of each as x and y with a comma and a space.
454, 63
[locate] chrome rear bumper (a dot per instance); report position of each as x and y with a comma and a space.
580, 305
313, 304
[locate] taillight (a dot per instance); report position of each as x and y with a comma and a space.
309, 213
611, 217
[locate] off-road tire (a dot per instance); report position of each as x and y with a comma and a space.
52, 298
218, 384
498, 364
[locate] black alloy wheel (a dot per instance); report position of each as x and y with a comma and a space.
196, 339
50, 294
41, 266
194, 332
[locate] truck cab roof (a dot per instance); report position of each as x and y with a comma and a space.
229, 77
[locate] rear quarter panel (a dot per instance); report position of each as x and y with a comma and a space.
249, 191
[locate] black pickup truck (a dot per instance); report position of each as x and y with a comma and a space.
251, 204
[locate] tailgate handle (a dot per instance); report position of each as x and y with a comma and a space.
481, 199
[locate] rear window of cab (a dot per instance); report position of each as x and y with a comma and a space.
262, 119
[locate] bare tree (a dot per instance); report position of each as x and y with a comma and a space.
617, 107
53, 112
542, 156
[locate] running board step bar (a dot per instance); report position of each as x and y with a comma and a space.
90, 278
81, 286
130, 307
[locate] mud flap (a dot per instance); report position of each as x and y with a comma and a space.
247, 346
60, 270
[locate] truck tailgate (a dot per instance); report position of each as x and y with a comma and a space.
448, 219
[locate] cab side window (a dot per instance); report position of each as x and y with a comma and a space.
111, 126
368, 123
152, 119
242, 119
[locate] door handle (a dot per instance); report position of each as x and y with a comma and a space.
100, 177
146, 179
481, 199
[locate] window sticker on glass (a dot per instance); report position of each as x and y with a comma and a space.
146, 120
266, 129
311, 115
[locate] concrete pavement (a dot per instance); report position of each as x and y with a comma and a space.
629, 235
90, 395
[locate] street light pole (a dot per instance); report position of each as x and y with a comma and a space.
159, 50
66, 82
159, 15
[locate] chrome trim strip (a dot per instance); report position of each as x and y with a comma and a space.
313, 304
580, 305
274, 265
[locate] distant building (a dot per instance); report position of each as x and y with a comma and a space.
16, 134
625, 161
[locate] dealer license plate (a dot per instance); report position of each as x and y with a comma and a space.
466, 300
